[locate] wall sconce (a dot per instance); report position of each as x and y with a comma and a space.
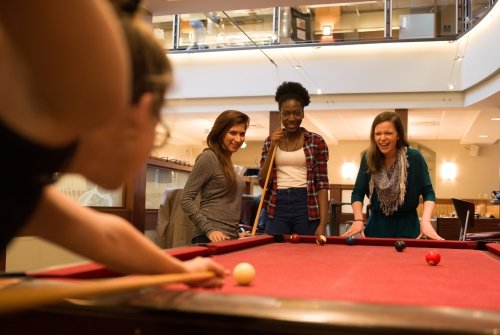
449, 171
327, 31
348, 170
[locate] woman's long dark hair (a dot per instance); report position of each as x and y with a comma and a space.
374, 158
215, 141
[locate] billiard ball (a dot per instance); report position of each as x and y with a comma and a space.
321, 239
433, 257
244, 273
351, 240
294, 238
400, 246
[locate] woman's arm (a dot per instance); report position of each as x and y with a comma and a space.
107, 239
357, 197
426, 228
323, 211
202, 171
358, 224
321, 156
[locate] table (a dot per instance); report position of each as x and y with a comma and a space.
300, 288
449, 227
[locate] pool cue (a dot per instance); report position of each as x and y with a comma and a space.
41, 292
257, 215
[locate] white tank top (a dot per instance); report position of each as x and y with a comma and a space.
291, 168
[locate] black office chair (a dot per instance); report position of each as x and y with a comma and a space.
465, 212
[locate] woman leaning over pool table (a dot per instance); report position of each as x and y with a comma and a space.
393, 176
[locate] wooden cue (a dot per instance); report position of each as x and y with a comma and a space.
43, 292
256, 220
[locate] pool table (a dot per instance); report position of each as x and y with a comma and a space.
299, 288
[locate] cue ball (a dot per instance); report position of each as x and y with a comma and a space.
433, 257
295, 238
351, 240
244, 273
321, 239
400, 246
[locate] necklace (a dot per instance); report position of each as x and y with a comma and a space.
295, 145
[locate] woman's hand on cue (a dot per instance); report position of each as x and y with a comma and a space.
276, 136
199, 264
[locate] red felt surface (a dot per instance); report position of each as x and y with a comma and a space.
370, 274
371, 271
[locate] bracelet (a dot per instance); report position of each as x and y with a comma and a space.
358, 220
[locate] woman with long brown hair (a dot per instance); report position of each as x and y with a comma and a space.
393, 176
214, 177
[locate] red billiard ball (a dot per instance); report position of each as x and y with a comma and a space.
294, 238
321, 239
433, 257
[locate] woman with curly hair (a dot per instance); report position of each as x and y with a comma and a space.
297, 199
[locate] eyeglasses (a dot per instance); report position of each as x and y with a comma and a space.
162, 133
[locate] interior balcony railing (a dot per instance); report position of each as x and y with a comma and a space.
349, 22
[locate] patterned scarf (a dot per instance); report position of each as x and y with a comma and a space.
391, 184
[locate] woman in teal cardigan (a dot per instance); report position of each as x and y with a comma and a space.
393, 176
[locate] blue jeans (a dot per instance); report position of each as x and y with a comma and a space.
291, 214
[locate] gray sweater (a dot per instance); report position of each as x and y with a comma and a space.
219, 208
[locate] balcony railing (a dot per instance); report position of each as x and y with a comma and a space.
349, 22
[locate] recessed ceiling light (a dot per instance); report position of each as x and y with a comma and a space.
495, 119
483, 136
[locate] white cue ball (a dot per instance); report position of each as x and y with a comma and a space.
244, 273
